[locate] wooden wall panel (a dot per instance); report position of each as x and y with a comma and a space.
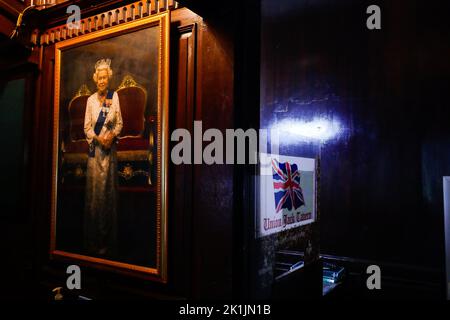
183, 57
6, 25
381, 175
213, 185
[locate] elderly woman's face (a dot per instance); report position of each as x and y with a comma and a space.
102, 80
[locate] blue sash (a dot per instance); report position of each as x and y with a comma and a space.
100, 122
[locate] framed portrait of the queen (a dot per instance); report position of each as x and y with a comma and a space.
110, 140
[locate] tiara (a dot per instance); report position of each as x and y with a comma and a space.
102, 63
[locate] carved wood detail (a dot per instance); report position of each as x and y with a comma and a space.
127, 13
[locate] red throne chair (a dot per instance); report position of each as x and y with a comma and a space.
135, 146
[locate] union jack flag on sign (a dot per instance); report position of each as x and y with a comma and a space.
286, 184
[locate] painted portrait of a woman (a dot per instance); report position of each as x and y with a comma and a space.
102, 126
110, 148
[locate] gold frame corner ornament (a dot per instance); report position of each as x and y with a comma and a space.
159, 273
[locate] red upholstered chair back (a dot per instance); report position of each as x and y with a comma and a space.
77, 109
133, 99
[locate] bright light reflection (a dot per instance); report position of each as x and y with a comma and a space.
317, 129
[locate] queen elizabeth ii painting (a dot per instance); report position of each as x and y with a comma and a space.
110, 148
102, 126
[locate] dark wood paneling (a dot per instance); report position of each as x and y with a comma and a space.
183, 58
213, 185
381, 175
42, 159
278, 60
246, 115
6, 25
11, 8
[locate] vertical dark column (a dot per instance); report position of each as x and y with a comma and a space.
213, 184
247, 70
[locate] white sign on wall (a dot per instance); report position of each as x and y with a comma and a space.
287, 193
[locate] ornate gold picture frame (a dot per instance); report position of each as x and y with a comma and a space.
109, 182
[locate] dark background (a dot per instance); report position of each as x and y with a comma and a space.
381, 177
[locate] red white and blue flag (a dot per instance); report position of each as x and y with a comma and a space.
286, 184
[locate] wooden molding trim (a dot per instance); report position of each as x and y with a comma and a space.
6, 25
13, 9
131, 12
